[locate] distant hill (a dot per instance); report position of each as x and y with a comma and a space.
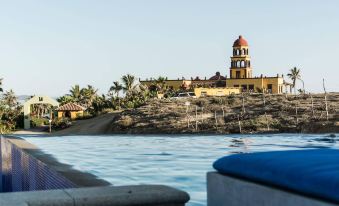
23, 98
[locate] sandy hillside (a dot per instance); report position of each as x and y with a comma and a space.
219, 115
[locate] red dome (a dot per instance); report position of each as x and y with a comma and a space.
240, 42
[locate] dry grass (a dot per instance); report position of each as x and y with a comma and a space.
222, 115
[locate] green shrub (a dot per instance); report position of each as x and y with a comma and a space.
202, 102
19, 121
218, 100
36, 122
61, 123
231, 99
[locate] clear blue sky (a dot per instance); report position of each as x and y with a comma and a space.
48, 46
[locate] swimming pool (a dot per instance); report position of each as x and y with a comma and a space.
180, 161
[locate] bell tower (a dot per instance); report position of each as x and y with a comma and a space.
240, 61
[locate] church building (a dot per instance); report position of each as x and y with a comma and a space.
240, 76
241, 72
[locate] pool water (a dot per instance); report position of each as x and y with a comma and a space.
178, 161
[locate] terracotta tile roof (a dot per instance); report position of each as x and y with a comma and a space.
71, 107
240, 42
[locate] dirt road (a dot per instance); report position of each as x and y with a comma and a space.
94, 126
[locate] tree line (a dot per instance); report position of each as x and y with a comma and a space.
127, 93
134, 95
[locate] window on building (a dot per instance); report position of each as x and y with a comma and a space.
237, 74
242, 63
238, 64
244, 87
236, 85
251, 88
269, 88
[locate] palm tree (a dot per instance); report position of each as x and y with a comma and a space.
99, 104
294, 75
88, 95
65, 99
128, 83
75, 93
116, 88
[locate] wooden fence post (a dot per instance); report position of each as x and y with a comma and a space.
296, 113
239, 122
216, 120
326, 105
196, 118
312, 105
267, 123
202, 114
243, 103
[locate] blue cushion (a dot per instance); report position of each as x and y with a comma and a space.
313, 172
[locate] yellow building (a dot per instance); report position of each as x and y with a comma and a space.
70, 110
241, 73
215, 81
241, 77
174, 84
218, 91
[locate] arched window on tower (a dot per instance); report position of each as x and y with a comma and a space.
234, 52
238, 64
244, 51
247, 51
242, 63
249, 64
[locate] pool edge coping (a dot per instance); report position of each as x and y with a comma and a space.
79, 178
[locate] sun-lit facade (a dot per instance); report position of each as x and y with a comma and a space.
240, 76
241, 72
